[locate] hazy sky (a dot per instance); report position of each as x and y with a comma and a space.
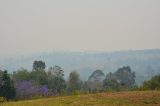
28, 26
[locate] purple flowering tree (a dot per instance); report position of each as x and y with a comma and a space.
26, 89
43, 90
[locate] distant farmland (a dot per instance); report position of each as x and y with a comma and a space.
129, 98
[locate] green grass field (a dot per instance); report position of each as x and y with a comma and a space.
130, 98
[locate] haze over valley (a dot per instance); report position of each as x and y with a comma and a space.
145, 63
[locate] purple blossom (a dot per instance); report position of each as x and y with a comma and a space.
43, 90
25, 89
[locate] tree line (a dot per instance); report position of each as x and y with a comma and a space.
24, 84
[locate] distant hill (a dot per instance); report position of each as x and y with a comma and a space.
145, 63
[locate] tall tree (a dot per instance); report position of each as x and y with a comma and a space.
95, 80
74, 82
39, 65
56, 80
125, 76
56, 71
38, 74
7, 89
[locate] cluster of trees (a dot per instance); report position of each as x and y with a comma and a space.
24, 84
122, 79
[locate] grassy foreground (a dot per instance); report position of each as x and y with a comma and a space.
131, 98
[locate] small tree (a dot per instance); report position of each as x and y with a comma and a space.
7, 89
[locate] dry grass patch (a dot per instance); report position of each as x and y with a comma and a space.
132, 98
